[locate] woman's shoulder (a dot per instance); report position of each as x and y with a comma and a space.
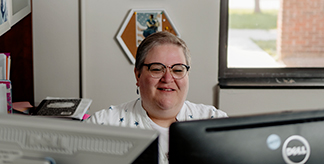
196, 106
204, 110
113, 113
130, 105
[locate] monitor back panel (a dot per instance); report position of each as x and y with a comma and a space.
275, 138
42, 139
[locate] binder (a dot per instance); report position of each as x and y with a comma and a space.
5, 62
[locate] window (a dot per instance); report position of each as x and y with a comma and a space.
271, 43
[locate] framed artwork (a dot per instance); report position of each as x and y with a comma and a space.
11, 12
20, 9
139, 24
4, 16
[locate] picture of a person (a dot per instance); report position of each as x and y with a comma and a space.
152, 26
147, 24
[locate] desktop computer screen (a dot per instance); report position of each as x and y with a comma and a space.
288, 137
39, 140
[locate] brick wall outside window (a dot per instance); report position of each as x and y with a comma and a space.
301, 33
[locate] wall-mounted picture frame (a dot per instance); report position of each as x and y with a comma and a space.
5, 14
139, 24
20, 9
11, 12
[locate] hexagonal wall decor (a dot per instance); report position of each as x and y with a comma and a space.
139, 24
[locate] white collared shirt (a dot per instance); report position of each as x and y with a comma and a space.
132, 114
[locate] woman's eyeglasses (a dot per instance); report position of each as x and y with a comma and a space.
157, 70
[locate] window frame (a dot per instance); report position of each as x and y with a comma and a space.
261, 77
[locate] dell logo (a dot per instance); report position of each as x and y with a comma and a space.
295, 150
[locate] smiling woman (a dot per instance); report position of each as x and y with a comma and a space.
161, 72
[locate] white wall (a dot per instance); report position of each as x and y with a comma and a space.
56, 48
256, 101
108, 73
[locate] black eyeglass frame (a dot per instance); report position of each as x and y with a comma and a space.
187, 67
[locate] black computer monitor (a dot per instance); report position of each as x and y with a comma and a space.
39, 140
289, 137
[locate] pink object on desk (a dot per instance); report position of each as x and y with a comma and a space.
86, 116
21, 106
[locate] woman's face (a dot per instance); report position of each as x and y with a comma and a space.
163, 97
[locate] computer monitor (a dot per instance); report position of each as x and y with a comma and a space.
288, 137
35, 139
